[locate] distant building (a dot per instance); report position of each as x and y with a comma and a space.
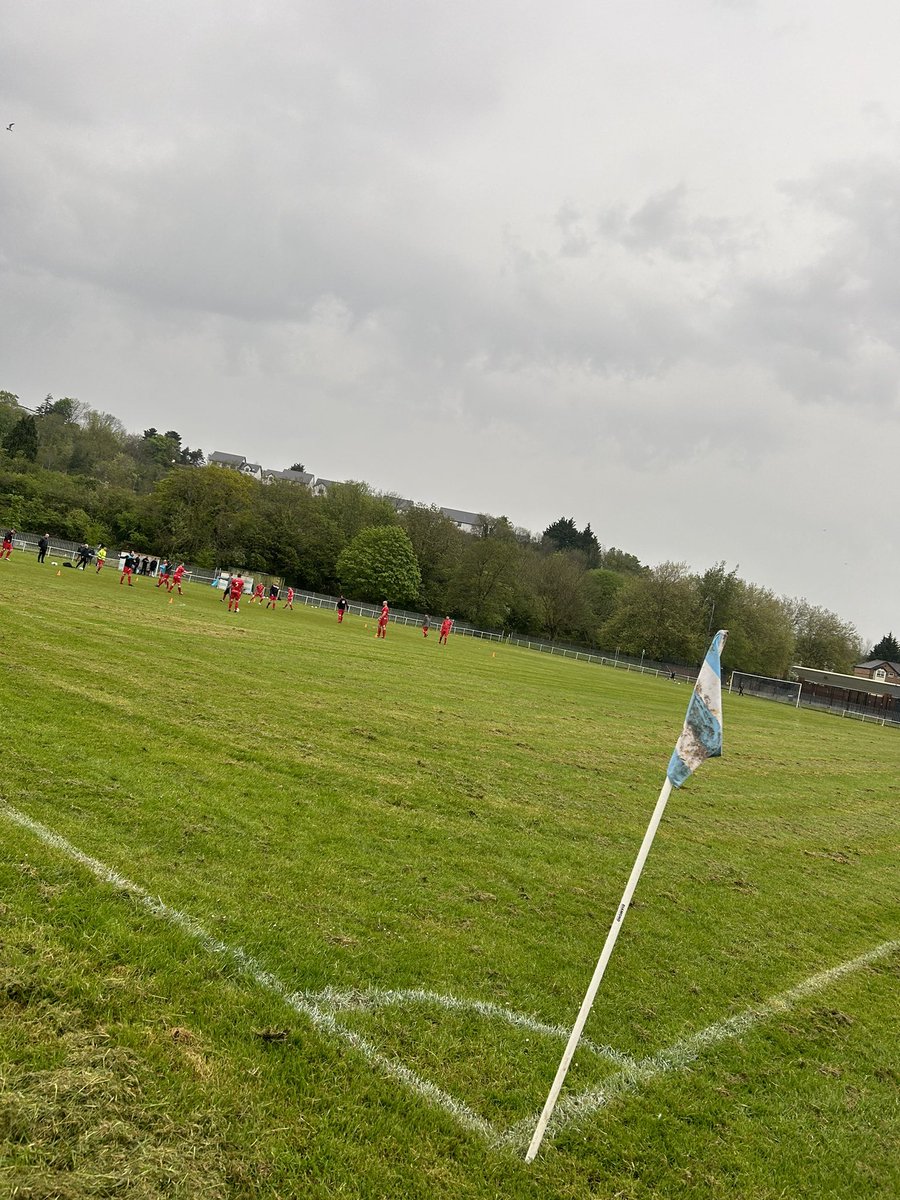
220, 459
862, 694
321, 486
878, 668
468, 522
302, 477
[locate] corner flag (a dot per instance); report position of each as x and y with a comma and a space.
701, 738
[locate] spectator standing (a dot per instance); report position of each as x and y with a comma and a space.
43, 547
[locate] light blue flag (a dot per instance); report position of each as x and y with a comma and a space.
701, 737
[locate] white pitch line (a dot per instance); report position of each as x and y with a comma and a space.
301, 1004
578, 1107
316, 1005
368, 999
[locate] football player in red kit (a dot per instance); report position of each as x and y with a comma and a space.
383, 620
446, 626
258, 593
177, 576
234, 597
289, 601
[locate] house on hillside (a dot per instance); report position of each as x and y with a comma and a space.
878, 668
219, 459
304, 478
321, 486
468, 522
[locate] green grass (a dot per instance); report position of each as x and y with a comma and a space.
358, 814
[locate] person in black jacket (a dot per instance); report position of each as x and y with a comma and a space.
43, 547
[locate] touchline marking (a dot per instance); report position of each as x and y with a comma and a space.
319, 1008
578, 1107
303, 1004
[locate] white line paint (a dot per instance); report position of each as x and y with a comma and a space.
301, 1004
582, 1105
369, 999
319, 1009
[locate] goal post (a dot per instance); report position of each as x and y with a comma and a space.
787, 691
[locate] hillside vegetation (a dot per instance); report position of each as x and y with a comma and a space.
77, 473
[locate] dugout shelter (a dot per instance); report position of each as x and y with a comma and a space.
878, 698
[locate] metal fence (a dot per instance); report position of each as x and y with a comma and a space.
62, 548
462, 629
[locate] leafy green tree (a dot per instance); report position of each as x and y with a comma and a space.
717, 591
563, 535
557, 583
437, 543
9, 413
590, 547
202, 515
601, 592
823, 640
888, 649
761, 635
22, 439
380, 564
57, 428
353, 506
658, 613
98, 439
486, 579
618, 560
290, 535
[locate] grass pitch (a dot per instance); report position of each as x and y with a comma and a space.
370, 883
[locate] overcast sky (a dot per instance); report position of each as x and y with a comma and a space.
635, 262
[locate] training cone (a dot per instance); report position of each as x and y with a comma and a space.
171, 599
59, 572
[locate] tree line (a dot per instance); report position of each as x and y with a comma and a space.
79, 474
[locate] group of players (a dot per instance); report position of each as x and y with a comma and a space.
234, 589
171, 578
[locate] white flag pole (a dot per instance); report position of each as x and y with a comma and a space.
619, 918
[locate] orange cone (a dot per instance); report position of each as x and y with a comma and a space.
59, 572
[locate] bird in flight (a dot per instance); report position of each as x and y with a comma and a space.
9, 127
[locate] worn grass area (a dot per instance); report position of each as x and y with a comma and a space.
457, 823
